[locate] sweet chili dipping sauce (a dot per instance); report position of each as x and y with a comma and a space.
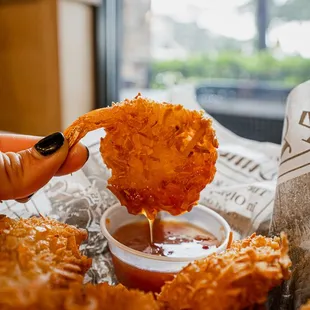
170, 239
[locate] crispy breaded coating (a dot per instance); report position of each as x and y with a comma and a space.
42, 247
41, 268
236, 279
79, 297
161, 155
306, 306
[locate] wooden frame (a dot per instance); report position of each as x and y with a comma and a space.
29, 91
108, 19
89, 2
46, 64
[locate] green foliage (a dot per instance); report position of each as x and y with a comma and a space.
290, 10
259, 67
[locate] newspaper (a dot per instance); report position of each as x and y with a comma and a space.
243, 191
292, 201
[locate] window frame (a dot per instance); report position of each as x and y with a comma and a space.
108, 42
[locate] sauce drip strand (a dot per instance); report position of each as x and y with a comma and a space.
159, 238
151, 226
166, 238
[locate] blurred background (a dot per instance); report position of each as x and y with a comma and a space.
238, 59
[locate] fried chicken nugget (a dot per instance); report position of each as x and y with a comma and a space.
42, 268
306, 306
40, 247
236, 279
161, 155
88, 297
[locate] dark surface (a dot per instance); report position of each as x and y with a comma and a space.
251, 109
107, 51
243, 89
254, 128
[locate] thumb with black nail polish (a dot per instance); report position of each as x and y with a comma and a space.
23, 173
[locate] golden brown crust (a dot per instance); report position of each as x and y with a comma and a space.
89, 297
41, 268
161, 155
238, 278
306, 306
40, 246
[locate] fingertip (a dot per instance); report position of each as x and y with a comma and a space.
25, 172
25, 200
87, 154
76, 159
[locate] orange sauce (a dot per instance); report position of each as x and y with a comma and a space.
135, 278
170, 239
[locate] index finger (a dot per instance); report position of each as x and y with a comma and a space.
75, 160
16, 142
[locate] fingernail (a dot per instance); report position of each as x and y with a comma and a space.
24, 200
50, 144
87, 153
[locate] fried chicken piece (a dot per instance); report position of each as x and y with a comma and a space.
40, 248
42, 268
77, 296
306, 306
161, 155
236, 279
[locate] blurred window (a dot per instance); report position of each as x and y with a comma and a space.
241, 57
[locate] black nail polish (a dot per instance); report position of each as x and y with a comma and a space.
23, 200
87, 153
50, 144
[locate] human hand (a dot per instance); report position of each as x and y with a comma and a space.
28, 163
